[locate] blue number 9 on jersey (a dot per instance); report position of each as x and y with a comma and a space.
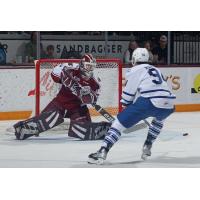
155, 73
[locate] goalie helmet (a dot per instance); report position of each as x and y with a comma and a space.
140, 55
87, 65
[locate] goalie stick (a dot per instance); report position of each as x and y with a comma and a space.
110, 118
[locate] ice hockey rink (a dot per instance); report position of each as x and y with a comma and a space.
57, 150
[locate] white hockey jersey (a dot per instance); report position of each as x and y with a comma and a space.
147, 81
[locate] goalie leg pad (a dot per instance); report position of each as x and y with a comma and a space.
81, 114
89, 130
36, 125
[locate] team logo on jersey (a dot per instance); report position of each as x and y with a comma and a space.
196, 85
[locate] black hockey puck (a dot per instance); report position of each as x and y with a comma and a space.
185, 134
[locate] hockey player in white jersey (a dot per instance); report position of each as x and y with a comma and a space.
146, 94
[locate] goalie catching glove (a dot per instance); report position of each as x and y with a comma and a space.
87, 96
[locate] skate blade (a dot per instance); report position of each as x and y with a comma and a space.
100, 161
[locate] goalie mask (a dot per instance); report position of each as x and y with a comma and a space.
87, 65
140, 55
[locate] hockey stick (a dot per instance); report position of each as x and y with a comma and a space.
103, 112
110, 118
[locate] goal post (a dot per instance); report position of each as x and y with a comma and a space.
108, 70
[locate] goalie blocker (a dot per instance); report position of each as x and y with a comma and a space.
47, 120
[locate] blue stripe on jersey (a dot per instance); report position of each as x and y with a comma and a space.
166, 97
132, 95
158, 90
129, 102
124, 104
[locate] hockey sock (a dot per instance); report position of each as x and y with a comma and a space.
154, 131
111, 138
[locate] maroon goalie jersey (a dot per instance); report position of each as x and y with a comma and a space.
65, 98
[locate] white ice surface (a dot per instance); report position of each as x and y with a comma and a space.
172, 149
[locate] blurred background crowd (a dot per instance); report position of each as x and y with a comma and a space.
165, 47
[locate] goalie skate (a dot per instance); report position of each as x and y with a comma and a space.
21, 133
99, 157
146, 151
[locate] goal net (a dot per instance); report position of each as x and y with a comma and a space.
108, 70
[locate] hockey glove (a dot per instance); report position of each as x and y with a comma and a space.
88, 96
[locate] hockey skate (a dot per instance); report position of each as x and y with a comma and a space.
21, 133
99, 157
146, 151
